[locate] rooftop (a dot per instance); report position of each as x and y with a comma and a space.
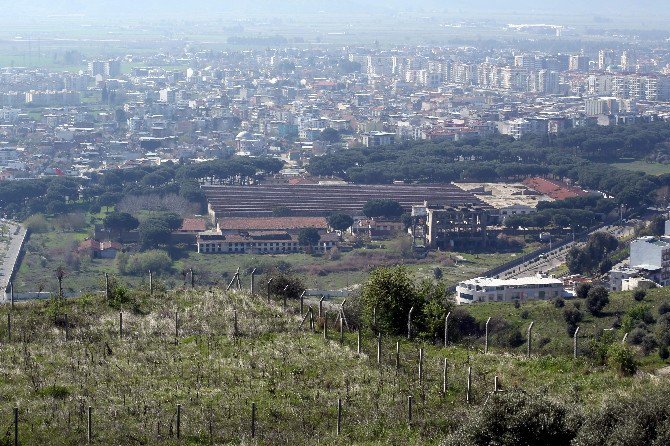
533, 280
272, 223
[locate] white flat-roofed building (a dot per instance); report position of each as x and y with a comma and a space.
484, 289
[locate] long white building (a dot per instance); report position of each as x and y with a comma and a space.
484, 289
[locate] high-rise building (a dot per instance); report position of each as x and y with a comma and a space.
578, 62
605, 59
601, 106
107, 68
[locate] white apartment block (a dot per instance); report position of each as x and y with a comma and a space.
483, 289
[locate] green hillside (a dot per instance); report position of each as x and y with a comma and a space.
135, 382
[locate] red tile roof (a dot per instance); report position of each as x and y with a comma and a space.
272, 223
94, 245
193, 225
557, 190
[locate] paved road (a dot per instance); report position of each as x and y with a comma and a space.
11, 254
556, 258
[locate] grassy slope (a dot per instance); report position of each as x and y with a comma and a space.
294, 376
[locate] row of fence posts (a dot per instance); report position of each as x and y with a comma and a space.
322, 314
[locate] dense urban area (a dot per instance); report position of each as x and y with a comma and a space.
417, 224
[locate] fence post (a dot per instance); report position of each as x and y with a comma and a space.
420, 367
495, 384
446, 329
341, 330
235, 323
469, 386
409, 410
176, 326
374, 317
574, 344
339, 416
409, 324
358, 341
253, 420
444, 376
253, 281
16, 426
106, 286
9, 326
178, 421
269, 282
325, 325
120, 325
397, 355
11, 294
302, 302
321, 305
529, 333
89, 426
379, 348
311, 319
486, 340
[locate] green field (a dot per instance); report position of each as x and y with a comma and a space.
44, 252
643, 166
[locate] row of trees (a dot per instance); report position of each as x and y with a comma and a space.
61, 195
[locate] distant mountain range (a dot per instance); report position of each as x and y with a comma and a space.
165, 8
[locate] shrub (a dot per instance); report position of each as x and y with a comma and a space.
525, 314
648, 344
582, 290
157, 261
639, 295
664, 308
516, 419
572, 317
597, 299
636, 336
621, 359
513, 339
641, 418
663, 352
37, 223
559, 303
284, 285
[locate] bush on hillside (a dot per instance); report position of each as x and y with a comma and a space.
513, 419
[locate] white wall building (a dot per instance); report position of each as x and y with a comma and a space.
484, 289
652, 253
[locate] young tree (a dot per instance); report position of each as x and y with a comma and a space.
597, 299
308, 237
387, 296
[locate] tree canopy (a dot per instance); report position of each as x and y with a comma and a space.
340, 222
382, 208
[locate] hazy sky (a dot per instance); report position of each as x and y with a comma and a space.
161, 8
